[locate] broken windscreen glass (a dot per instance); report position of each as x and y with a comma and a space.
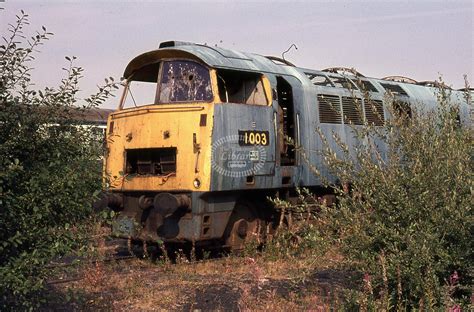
184, 81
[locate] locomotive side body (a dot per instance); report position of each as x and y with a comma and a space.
216, 135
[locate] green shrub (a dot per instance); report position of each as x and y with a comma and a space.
407, 222
297, 235
50, 168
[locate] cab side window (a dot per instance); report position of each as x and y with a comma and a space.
241, 87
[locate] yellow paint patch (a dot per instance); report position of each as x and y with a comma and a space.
145, 127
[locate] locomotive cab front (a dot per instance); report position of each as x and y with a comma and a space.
189, 138
156, 146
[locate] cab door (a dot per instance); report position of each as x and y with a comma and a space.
286, 121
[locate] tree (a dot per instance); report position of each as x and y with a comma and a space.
49, 167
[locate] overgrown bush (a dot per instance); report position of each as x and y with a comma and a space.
404, 219
50, 168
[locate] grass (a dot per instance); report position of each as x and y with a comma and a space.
257, 281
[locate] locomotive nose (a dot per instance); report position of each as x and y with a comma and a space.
166, 203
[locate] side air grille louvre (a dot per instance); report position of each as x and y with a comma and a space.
352, 110
374, 112
329, 109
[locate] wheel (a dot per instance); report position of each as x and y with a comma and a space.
244, 226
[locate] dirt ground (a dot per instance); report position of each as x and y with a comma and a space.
230, 283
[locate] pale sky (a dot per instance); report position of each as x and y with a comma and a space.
418, 39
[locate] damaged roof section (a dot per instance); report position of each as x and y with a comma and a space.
219, 58
212, 56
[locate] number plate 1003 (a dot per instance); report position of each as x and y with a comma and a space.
252, 137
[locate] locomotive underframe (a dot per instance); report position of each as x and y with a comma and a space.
207, 220
203, 221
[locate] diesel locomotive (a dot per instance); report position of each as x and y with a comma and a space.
203, 135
